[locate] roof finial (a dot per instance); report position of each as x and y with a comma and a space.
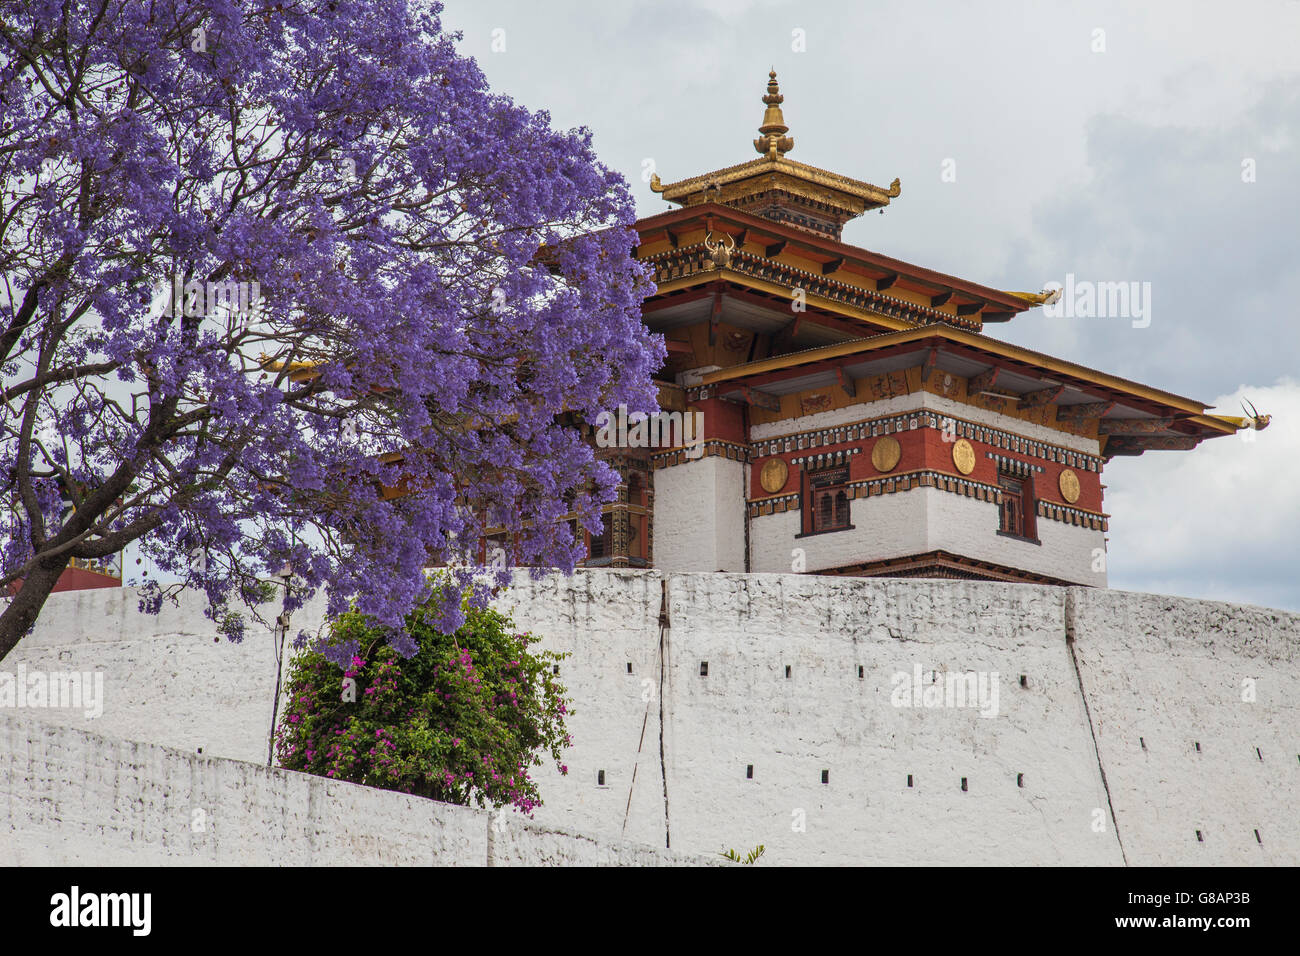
773, 142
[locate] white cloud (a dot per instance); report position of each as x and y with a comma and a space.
1222, 521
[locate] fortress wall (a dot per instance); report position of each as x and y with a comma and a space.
606, 620
1162, 674
72, 797
169, 679
1168, 670
824, 717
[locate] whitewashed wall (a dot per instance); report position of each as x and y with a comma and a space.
1163, 674
885, 526
699, 516
1168, 670
76, 798
923, 520
968, 526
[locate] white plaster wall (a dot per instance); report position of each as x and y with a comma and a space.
968, 526
929, 401
606, 620
75, 798
1169, 673
884, 526
699, 516
921, 520
169, 679
825, 718
1166, 669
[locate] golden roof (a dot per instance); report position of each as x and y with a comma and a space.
773, 180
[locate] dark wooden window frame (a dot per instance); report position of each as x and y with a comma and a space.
1020, 490
826, 502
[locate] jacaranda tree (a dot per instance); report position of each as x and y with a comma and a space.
266, 264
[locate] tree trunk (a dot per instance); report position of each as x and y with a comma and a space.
17, 620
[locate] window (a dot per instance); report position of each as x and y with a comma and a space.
602, 544
1013, 506
1016, 513
828, 500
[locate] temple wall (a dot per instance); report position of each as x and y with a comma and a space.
930, 401
886, 526
1107, 720
699, 516
921, 520
968, 526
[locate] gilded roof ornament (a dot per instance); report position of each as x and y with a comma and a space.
773, 142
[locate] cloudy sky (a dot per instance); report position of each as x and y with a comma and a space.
1155, 143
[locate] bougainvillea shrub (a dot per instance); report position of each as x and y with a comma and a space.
466, 719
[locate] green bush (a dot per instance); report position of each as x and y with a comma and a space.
464, 719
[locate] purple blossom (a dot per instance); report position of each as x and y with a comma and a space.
458, 270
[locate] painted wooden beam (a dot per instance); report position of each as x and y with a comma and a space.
1133, 426
1079, 413
752, 396
1044, 396
930, 364
983, 381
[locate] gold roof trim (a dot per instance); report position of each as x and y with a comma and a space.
772, 141
679, 191
773, 144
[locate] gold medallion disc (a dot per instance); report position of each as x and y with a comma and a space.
1069, 484
963, 456
774, 474
886, 453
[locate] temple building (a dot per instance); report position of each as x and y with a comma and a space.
857, 417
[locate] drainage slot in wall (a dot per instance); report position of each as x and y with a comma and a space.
826, 776
1257, 839
749, 772
1198, 746
1020, 780
963, 784
704, 668
1024, 681
787, 671
600, 778
1258, 754
909, 779
1142, 741
1200, 838
629, 667
861, 675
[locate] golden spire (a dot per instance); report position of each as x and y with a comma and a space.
773, 142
